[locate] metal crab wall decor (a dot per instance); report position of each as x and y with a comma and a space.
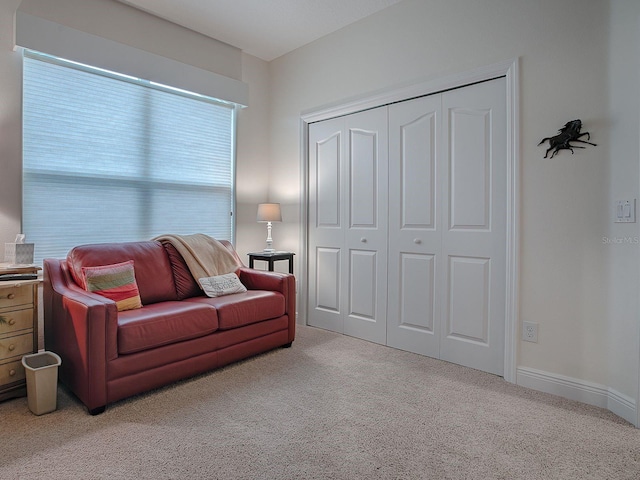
567, 134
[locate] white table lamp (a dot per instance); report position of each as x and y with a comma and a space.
269, 212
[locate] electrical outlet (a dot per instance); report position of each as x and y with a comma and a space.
530, 332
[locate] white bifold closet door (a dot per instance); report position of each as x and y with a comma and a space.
447, 228
348, 224
407, 225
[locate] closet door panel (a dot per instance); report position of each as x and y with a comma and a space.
328, 270
470, 168
414, 226
366, 232
415, 322
417, 174
326, 225
474, 240
364, 166
417, 292
469, 291
327, 182
363, 285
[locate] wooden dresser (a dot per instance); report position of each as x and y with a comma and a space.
18, 329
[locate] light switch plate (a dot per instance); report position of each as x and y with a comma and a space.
625, 211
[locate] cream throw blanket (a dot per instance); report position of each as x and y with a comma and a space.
205, 256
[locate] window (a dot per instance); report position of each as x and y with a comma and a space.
107, 158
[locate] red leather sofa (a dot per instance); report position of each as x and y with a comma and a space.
109, 355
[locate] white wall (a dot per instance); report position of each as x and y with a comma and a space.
124, 24
252, 170
566, 271
623, 259
10, 128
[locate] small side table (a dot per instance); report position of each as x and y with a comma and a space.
272, 257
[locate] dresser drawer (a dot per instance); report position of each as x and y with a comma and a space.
13, 296
14, 320
11, 372
16, 346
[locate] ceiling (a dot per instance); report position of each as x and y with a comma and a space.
266, 29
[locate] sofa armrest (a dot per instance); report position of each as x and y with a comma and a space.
285, 283
262, 280
81, 327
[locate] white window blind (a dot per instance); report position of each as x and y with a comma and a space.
111, 159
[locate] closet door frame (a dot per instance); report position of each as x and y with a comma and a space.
508, 69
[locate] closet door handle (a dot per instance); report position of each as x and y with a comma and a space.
363, 240
417, 241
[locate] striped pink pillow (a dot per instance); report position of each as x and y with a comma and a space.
117, 282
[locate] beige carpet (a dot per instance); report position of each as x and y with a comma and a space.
330, 407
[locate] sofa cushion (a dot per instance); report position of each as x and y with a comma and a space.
117, 282
162, 324
152, 268
241, 309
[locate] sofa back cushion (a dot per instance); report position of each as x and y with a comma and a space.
186, 285
153, 271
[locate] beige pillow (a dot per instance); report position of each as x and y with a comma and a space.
222, 285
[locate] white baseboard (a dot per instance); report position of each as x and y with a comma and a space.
580, 390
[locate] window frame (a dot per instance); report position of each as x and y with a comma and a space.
233, 111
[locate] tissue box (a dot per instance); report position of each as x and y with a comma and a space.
18, 253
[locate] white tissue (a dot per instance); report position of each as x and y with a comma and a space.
20, 238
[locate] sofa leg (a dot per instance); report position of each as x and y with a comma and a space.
287, 345
98, 410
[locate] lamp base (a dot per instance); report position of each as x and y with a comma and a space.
269, 240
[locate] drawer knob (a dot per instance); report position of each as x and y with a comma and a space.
363, 240
12, 347
11, 296
12, 372
417, 241
12, 321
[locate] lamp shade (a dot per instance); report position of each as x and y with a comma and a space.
269, 212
